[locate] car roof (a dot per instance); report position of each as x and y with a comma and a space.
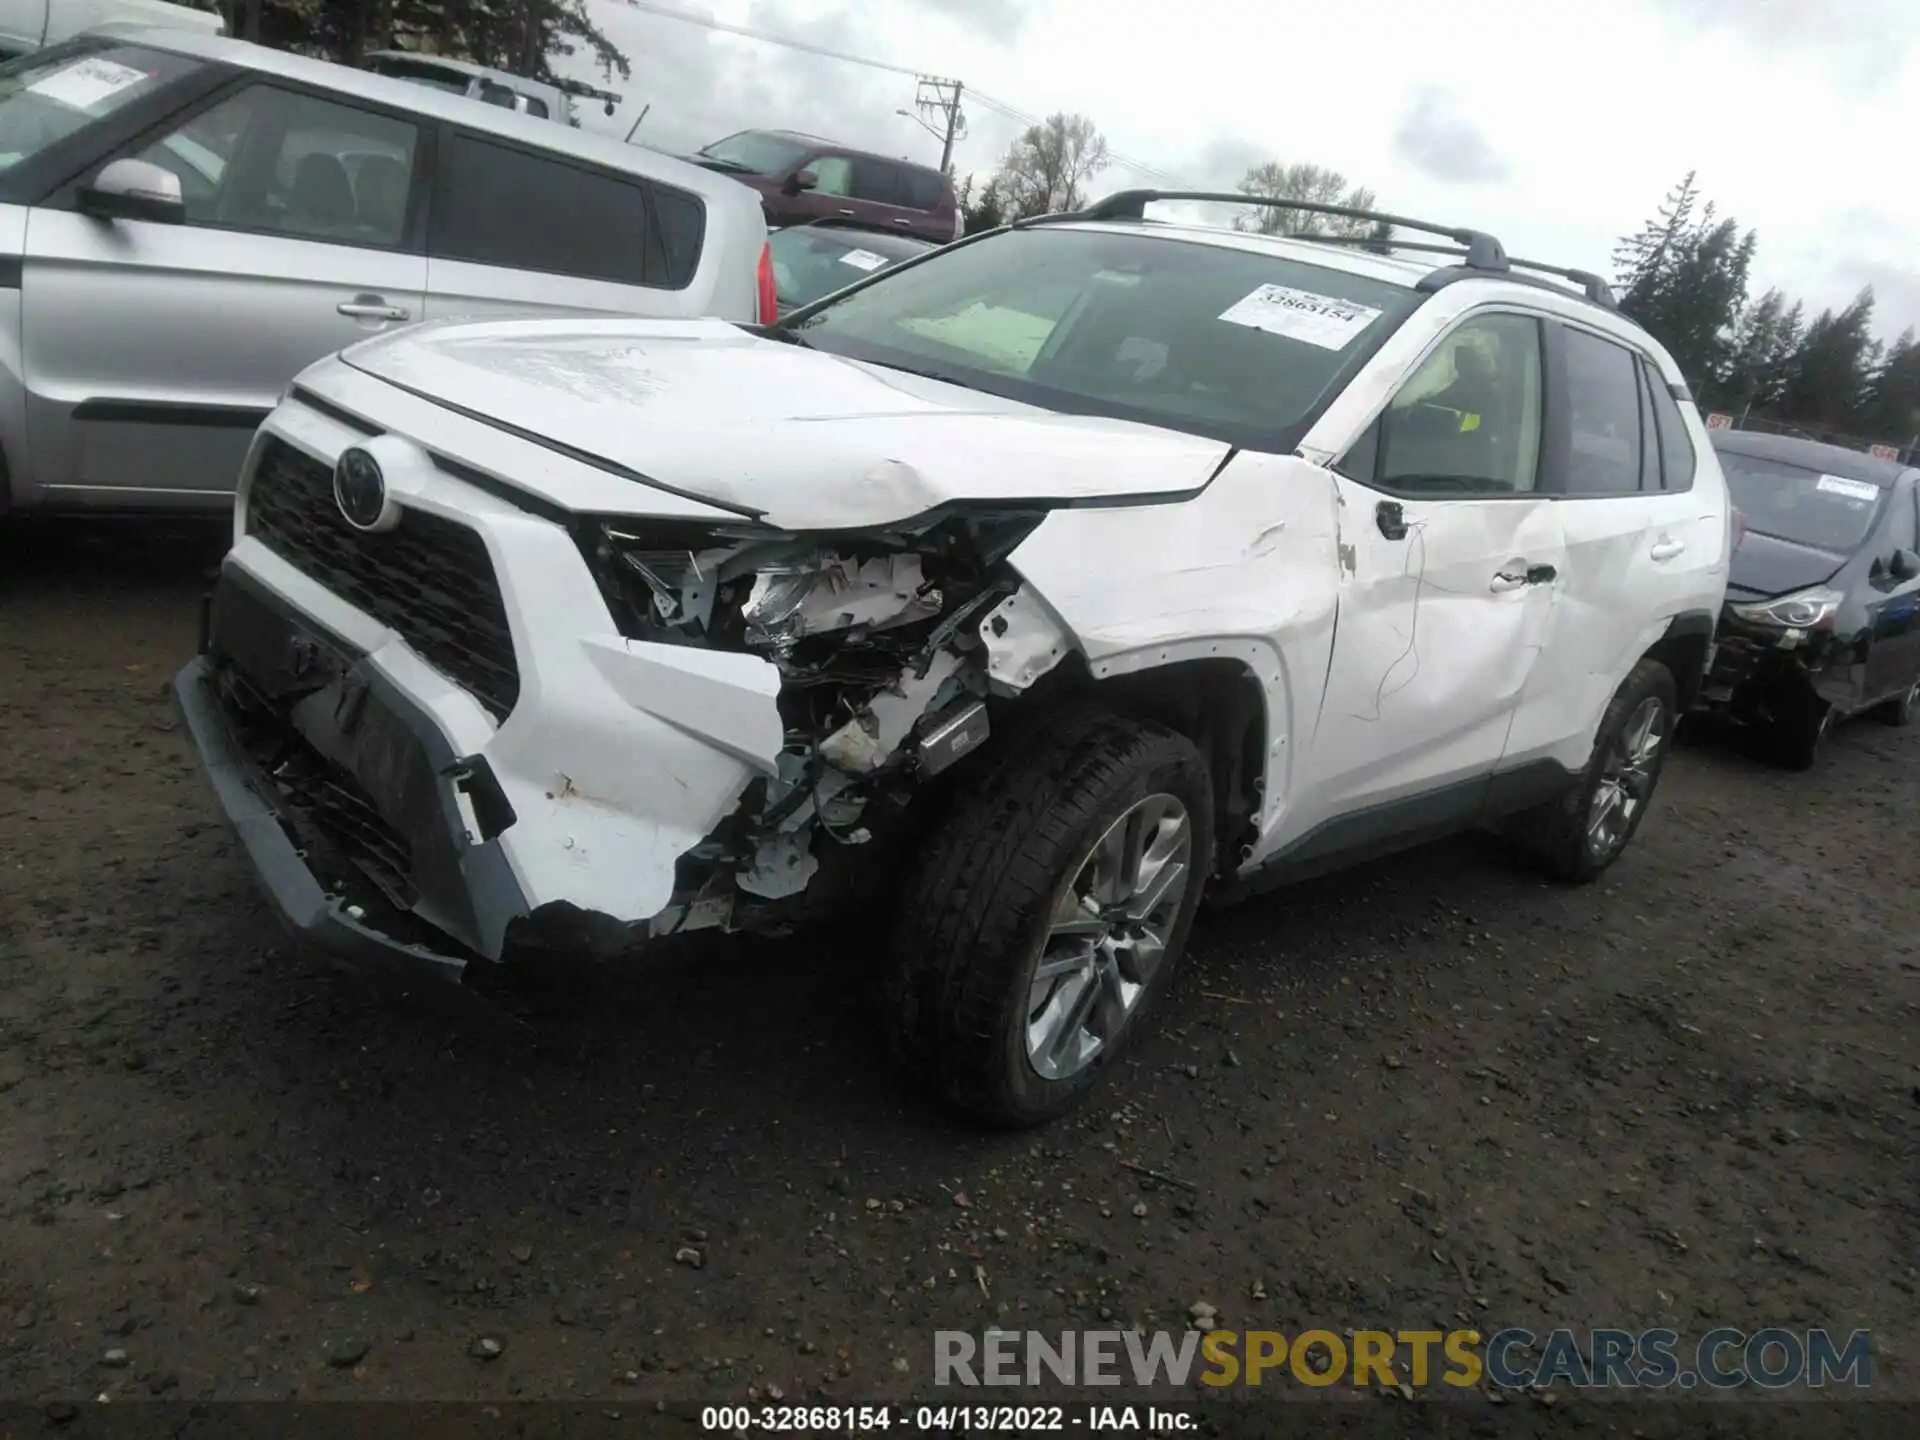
474, 115
1811, 455
465, 67
858, 233
845, 149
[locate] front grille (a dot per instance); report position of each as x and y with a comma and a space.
429, 579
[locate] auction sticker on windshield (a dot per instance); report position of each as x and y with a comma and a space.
1302, 315
863, 260
85, 83
1852, 489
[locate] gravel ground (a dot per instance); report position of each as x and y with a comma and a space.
1431, 1091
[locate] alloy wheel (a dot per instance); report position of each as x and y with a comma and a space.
1626, 778
1108, 935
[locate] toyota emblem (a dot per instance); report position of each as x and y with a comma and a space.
360, 490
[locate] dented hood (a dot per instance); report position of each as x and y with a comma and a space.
803, 439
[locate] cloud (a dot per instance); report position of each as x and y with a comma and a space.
1003, 19
1871, 39
1437, 137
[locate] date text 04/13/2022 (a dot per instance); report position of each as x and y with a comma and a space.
944, 1419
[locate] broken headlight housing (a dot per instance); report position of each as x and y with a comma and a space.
746, 587
1811, 609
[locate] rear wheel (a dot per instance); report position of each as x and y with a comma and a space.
1578, 835
1044, 921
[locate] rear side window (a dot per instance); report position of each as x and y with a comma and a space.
1676, 447
1649, 435
1603, 409
497, 205
921, 189
876, 180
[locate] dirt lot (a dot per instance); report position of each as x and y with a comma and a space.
1433, 1091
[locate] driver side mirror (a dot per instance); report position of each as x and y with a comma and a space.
800, 180
1905, 565
134, 190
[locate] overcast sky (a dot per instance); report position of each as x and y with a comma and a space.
1557, 126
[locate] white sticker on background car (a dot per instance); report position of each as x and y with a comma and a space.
1302, 315
85, 83
1852, 489
863, 260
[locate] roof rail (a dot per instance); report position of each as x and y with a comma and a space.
1592, 286
1483, 251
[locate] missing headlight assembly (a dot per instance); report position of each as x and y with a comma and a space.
877, 636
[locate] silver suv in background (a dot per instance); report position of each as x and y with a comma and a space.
187, 221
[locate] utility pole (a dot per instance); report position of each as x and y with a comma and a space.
938, 104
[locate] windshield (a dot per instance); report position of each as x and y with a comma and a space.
46, 97
809, 263
1789, 502
1237, 345
756, 150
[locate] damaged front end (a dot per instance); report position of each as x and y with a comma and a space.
889, 644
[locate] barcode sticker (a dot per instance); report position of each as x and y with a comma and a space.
1852, 489
1302, 315
85, 83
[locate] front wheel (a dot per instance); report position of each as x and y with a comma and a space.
1577, 836
1045, 919
1799, 736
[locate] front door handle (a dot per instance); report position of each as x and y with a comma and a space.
1665, 549
1505, 581
372, 307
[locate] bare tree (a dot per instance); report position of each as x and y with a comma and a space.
1315, 184
1047, 168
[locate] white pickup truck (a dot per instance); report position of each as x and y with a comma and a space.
31, 24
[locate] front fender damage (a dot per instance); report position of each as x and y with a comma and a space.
890, 649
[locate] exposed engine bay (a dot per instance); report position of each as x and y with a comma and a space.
889, 646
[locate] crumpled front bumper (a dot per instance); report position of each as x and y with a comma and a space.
1753, 670
312, 910
377, 837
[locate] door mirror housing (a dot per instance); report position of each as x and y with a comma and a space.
800, 180
1905, 565
134, 190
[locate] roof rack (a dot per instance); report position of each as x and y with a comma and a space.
1592, 286
1483, 251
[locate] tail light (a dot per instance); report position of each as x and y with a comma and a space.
959, 222
769, 299
1739, 528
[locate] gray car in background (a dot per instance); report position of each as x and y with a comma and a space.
186, 222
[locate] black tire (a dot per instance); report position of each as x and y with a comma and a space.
974, 911
1900, 710
1797, 737
1553, 837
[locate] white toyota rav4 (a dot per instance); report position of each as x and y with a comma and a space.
1033, 590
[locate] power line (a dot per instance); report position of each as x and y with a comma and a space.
999, 107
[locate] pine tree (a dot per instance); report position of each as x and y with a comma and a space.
1639, 259
1828, 377
1893, 400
